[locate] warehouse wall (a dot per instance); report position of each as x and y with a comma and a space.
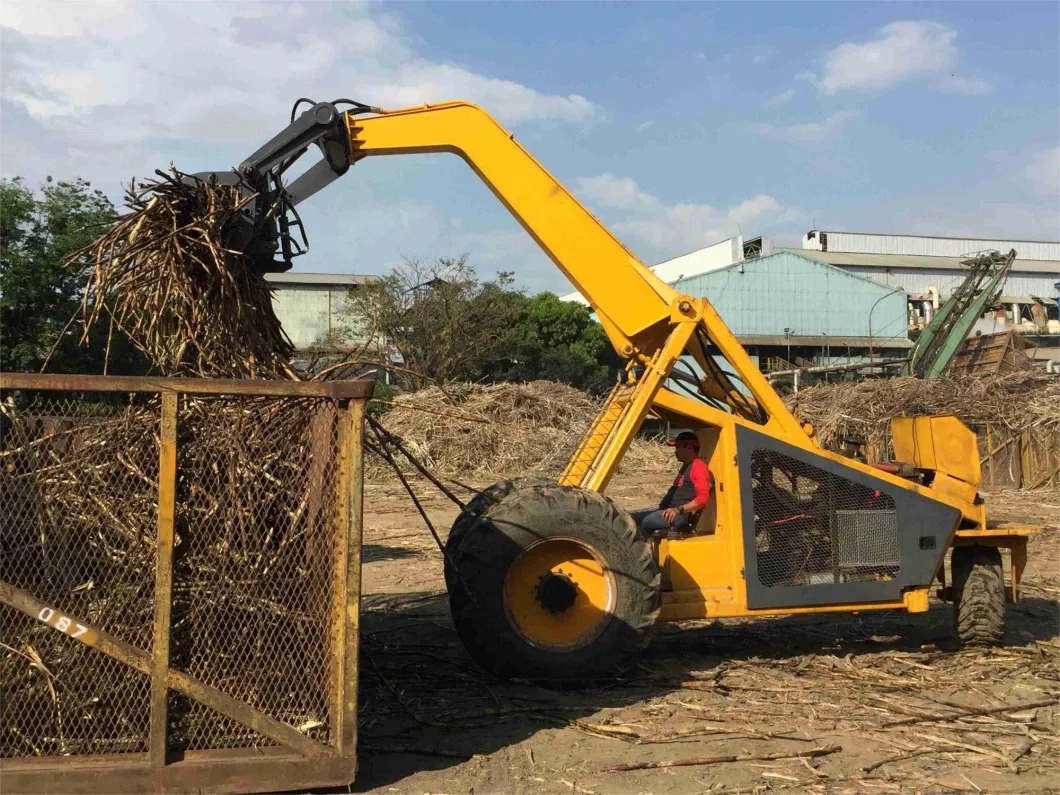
916, 245
785, 290
310, 312
947, 280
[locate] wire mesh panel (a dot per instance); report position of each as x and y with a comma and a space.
253, 584
78, 503
197, 546
816, 528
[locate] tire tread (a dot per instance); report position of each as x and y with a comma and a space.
978, 596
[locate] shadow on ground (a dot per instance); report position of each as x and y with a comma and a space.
424, 706
371, 553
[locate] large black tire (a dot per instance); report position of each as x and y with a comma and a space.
978, 595
498, 538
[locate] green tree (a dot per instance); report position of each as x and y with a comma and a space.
440, 318
447, 325
39, 290
560, 341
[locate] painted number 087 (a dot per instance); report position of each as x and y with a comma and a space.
62, 623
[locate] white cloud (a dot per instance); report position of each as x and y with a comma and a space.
673, 228
612, 191
902, 51
1043, 172
645, 126
807, 132
779, 99
762, 55
123, 74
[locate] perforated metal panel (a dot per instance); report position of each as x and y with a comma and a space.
816, 528
817, 531
867, 539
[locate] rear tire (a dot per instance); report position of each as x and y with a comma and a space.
978, 595
509, 623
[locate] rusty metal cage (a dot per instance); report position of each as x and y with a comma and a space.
179, 583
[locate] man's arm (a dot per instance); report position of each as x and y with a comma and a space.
699, 474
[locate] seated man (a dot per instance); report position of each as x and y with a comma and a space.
689, 494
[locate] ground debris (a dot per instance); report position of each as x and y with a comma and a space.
715, 760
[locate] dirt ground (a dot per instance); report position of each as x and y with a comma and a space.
887, 688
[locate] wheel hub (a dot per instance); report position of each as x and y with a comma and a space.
557, 592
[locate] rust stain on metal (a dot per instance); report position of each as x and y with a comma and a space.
348, 570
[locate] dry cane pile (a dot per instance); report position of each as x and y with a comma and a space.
505, 430
1014, 401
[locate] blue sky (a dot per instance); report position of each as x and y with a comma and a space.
678, 124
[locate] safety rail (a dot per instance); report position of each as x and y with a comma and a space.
179, 583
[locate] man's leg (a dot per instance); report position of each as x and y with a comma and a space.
651, 520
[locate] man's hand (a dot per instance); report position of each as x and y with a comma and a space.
670, 515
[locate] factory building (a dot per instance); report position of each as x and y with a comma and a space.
786, 308
926, 270
929, 268
311, 308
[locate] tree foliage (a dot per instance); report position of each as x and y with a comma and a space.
560, 341
39, 291
448, 325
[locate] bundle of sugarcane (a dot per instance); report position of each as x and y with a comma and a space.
506, 430
165, 276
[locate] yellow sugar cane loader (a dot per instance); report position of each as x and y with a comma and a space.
555, 582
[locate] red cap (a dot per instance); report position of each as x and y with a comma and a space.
684, 436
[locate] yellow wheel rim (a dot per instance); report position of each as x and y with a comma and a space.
558, 594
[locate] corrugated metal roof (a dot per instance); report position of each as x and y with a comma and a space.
788, 294
924, 245
321, 279
841, 258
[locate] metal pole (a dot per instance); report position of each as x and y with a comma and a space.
877, 301
167, 503
347, 576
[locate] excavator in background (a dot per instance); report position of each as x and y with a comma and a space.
555, 583
944, 335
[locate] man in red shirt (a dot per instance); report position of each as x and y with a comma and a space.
689, 493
